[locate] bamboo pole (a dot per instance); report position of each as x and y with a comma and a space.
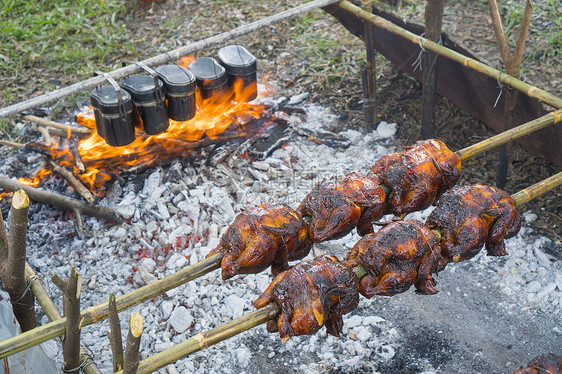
52, 313
369, 73
509, 135
470, 63
99, 312
537, 189
164, 57
56, 125
61, 201
206, 339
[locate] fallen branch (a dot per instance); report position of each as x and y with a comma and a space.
61, 201
70, 289
131, 363
74, 182
12, 144
115, 339
52, 313
13, 270
56, 125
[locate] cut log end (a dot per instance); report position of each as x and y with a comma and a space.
136, 324
20, 199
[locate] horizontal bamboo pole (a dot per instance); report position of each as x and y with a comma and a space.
65, 202
206, 339
99, 312
548, 119
164, 57
470, 63
56, 125
537, 189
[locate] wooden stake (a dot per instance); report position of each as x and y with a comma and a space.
206, 339
3, 242
56, 125
71, 289
99, 312
61, 201
131, 362
470, 63
52, 313
74, 182
115, 339
13, 270
509, 135
433, 25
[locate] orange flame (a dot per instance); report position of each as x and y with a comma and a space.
213, 117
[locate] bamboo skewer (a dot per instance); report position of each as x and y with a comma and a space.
470, 63
99, 312
272, 310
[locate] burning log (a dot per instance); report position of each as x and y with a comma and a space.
71, 289
131, 362
12, 271
74, 182
51, 311
61, 201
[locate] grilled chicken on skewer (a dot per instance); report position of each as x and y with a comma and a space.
545, 364
270, 234
401, 254
311, 294
418, 176
338, 205
471, 216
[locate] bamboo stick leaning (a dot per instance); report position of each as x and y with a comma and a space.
271, 311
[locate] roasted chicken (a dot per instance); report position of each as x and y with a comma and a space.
471, 216
401, 254
338, 205
311, 294
418, 176
545, 364
270, 234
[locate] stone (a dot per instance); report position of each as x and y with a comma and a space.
234, 306
386, 130
180, 319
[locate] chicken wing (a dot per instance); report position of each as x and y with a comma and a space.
338, 205
399, 255
418, 176
471, 216
270, 234
311, 294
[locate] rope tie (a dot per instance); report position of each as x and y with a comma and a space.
81, 366
500, 86
418, 62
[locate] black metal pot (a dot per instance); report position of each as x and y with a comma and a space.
211, 78
113, 111
180, 91
239, 63
149, 98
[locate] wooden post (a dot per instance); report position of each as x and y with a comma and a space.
3, 242
369, 73
115, 339
131, 362
13, 269
71, 289
433, 24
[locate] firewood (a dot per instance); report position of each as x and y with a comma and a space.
56, 125
74, 182
46, 136
71, 289
115, 339
61, 201
131, 363
13, 270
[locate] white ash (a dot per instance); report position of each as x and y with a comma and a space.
177, 216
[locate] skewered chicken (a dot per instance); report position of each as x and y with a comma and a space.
398, 255
473, 215
311, 294
339, 204
418, 176
545, 364
270, 234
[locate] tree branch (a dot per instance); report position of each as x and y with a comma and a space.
498, 29
131, 363
115, 338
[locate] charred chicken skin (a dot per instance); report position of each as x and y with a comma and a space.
401, 254
418, 176
471, 216
270, 234
311, 294
545, 364
338, 205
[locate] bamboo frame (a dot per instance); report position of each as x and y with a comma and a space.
163, 58
470, 63
99, 312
